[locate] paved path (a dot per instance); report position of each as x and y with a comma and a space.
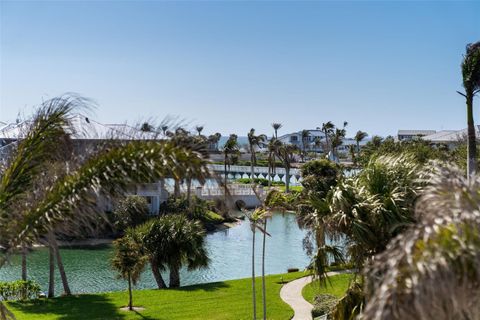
291, 293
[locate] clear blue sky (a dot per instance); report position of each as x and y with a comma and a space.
230, 66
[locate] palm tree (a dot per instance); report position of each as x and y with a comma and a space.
471, 84
286, 153
213, 140
109, 172
276, 126
265, 215
369, 209
272, 146
431, 271
254, 141
351, 150
230, 152
164, 129
327, 128
129, 262
305, 137
359, 136
317, 142
173, 241
199, 129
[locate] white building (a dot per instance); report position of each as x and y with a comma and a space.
295, 138
86, 136
449, 138
408, 135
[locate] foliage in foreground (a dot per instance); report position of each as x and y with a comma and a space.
432, 270
19, 290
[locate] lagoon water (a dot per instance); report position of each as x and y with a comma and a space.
88, 269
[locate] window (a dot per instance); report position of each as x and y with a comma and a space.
293, 139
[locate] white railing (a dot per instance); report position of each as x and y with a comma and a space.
233, 190
247, 169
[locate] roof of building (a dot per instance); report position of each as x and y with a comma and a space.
415, 132
83, 128
449, 135
300, 133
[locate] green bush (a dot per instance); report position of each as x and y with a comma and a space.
261, 181
19, 290
199, 209
323, 304
130, 212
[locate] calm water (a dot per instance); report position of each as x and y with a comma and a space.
88, 270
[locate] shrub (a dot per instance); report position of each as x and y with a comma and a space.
323, 304
19, 290
260, 181
130, 212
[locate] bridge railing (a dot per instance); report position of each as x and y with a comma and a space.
247, 169
233, 190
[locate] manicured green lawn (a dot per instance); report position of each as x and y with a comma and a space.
337, 286
230, 300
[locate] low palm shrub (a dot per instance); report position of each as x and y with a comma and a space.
324, 304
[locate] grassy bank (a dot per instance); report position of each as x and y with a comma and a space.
337, 286
220, 300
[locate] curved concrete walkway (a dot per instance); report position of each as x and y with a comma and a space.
291, 293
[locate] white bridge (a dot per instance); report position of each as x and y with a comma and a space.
258, 172
236, 192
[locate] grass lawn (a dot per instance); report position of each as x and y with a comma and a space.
292, 188
337, 286
230, 300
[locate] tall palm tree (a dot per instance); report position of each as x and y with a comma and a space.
272, 146
276, 126
471, 84
109, 172
305, 137
254, 141
327, 128
254, 218
359, 136
230, 152
286, 153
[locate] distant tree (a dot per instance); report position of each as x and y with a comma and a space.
131, 211
317, 142
230, 152
199, 129
254, 141
272, 147
276, 126
129, 262
359, 136
328, 129
164, 129
471, 84
146, 127
305, 142
286, 153
352, 150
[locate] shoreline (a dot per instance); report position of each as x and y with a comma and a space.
93, 242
